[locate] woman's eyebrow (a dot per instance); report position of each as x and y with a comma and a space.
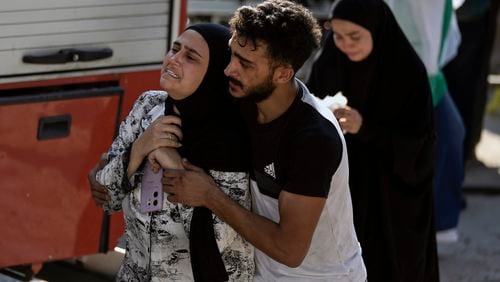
191, 50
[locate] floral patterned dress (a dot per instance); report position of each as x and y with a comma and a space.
157, 242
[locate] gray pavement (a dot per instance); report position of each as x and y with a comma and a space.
476, 257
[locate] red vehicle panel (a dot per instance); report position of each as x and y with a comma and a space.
44, 186
57, 118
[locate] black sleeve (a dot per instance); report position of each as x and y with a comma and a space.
313, 161
370, 131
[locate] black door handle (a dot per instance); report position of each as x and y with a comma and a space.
68, 55
54, 127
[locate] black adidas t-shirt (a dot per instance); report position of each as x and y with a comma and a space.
298, 152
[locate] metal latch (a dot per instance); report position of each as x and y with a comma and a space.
68, 55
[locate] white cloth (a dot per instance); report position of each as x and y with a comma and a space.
422, 23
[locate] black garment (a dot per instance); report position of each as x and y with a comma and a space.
391, 157
466, 75
298, 152
214, 139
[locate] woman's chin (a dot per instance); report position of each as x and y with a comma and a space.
354, 58
166, 84
357, 57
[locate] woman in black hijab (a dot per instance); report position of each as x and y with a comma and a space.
389, 134
181, 243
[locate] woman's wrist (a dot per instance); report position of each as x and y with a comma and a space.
136, 157
137, 149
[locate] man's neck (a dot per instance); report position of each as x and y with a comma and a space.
277, 103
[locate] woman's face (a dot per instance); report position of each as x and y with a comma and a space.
352, 39
185, 65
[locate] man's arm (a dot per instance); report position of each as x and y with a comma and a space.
99, 192
286, 241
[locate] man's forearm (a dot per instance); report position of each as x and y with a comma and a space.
264, 234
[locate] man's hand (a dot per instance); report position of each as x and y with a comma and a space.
190, 186
99, 192
286, 241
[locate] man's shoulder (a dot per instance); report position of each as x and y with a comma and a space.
313, 133
310, 127
312, 111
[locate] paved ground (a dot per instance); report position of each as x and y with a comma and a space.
476, 257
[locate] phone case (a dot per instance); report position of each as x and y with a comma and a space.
151, 190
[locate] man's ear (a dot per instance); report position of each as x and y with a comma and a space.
283, 74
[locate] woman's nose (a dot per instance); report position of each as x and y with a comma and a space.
176, 58
349, 44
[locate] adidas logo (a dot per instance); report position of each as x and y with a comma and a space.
269, 169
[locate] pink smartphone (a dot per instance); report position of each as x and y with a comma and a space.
151, 190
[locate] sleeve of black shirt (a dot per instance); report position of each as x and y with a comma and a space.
314, 159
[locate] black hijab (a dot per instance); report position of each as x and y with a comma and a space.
214, 139
389, 85
214, 133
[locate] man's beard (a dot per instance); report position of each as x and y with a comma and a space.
259, 92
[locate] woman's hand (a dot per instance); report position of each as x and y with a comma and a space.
167, 158
350, 119
163, 132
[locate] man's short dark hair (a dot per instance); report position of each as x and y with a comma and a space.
289, 29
